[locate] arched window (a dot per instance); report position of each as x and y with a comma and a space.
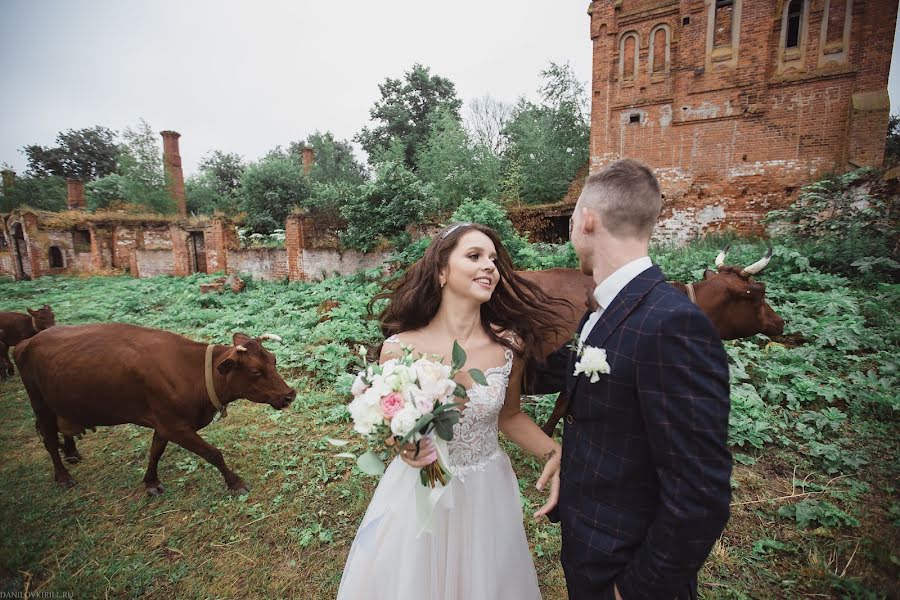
835, 32
659, 49
57, 261
628, 55
794, 23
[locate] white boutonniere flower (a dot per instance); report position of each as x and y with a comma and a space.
591, 361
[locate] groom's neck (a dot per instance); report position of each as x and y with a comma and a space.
612, 253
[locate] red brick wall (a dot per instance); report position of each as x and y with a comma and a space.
294, 242
261, 263
733, 132
150, 263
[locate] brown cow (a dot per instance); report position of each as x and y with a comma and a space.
730, 298
110, 374
15, 327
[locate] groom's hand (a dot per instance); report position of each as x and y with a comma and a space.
551, 475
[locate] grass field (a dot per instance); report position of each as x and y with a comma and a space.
814, 431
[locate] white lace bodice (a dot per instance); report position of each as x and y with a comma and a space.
475, 438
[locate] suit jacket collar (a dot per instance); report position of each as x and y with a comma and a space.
622, 305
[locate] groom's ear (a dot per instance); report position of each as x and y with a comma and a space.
588, 220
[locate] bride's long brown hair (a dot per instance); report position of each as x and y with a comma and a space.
515, 306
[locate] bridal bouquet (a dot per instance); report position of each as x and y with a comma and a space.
408, 399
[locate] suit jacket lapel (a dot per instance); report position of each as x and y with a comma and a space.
570, 368
623, 304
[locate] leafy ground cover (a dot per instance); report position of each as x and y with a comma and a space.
814, 431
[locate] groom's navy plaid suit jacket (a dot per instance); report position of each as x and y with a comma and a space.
645, 469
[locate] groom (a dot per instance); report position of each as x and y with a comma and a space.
645, 470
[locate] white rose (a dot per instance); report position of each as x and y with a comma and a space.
359, 385
433, 378
423, 402
365, 416
404, 421
592, 362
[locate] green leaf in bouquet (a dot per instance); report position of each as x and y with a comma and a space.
459, 356
444, 429
370, 464
460, 391
478, 377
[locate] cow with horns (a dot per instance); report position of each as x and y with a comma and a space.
734, 303
109, 374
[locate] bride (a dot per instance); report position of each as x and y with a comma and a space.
464, 289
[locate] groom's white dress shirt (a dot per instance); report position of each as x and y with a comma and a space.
610, 287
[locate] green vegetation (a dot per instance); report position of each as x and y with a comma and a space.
813, 428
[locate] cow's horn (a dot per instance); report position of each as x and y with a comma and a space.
270, 336
720, 259
758, 265
240, 348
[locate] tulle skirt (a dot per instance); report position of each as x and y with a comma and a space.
476, 550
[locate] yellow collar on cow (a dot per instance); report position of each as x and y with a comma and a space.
210, 387
690, 292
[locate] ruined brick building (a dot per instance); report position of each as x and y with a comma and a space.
736, 104
34, 243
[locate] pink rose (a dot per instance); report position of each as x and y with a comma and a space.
391, 404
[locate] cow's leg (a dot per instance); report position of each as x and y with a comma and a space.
70, 452
559, 410
189, 440
6, 366
151, 479
46, 426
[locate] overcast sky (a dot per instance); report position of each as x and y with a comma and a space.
247, 76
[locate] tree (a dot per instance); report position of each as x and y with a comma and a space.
141, 170
385, 206
84, 154
456, 167
548, 142
335, 160
269, 190
42, 192
486, 119
892, 144
216, 183
404, 113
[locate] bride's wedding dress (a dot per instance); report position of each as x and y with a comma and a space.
477, 548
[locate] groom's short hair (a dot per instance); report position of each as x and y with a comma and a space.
626, 194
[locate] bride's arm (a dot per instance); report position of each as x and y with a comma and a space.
525, 433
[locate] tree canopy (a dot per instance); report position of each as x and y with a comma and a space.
404, 113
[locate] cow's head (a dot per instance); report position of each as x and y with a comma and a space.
735, 302
249, 371
42, 317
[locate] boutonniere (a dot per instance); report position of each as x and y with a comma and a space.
591, 361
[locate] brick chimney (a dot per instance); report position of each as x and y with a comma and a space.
309, 159
174, 174
75, 194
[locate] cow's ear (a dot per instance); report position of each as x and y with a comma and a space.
228, 363
47, 306
708, 273
240, 339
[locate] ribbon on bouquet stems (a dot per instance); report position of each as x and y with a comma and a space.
427, 496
